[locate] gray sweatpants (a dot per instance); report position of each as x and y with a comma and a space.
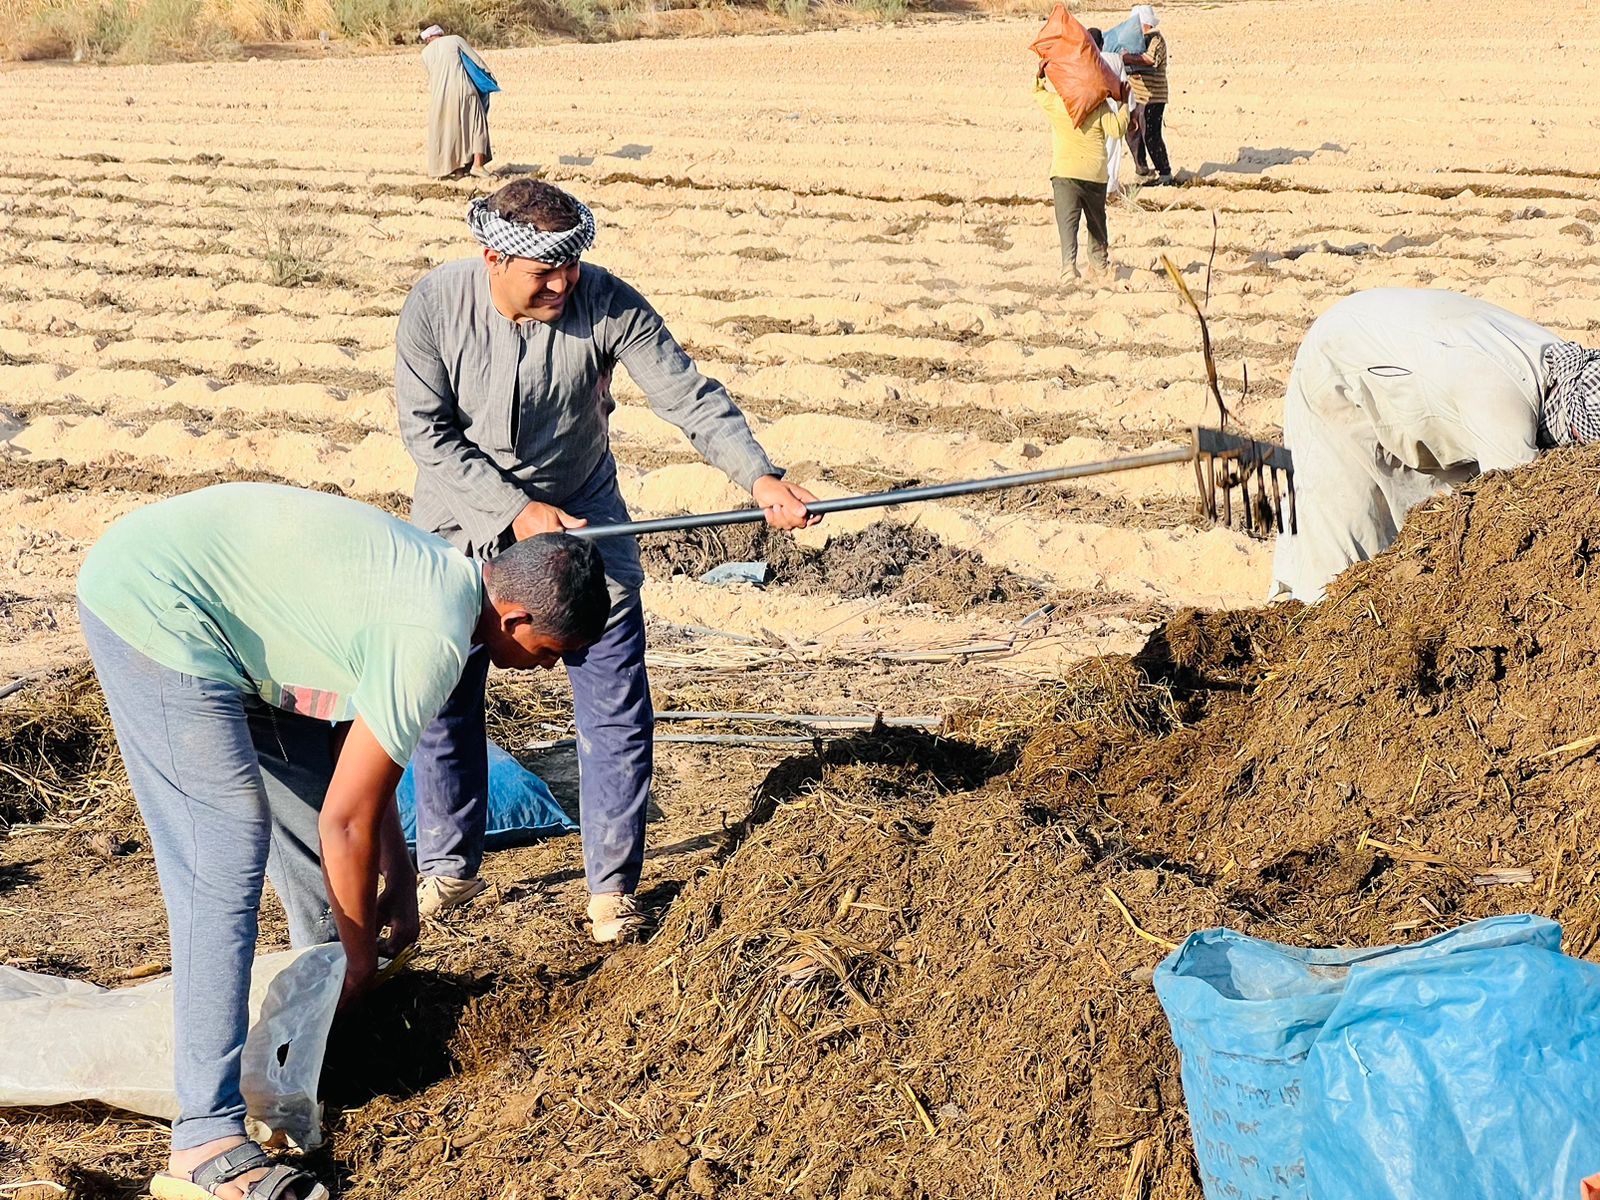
230, 789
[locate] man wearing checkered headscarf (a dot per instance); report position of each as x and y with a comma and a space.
503, 372
1397, 395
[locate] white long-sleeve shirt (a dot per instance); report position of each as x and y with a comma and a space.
1396, 395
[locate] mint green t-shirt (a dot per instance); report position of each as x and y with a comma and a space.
318, 604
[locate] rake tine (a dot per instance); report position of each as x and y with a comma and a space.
1277, 501
1227, 501
1258, 504
1199, 479
1211, 488
1294, 512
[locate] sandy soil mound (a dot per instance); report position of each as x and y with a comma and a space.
921, 967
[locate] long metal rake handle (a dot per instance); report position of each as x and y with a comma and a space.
938, 491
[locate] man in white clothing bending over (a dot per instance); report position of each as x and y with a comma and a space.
1397, 395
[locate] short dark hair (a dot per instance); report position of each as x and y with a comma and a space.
560, 580
534, 202
1098, 38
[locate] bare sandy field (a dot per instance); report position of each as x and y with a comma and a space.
853, 230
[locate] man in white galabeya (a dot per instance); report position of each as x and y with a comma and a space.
1396, 395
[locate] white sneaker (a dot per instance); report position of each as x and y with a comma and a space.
614, 918
438, 894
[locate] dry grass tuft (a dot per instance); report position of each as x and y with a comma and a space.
58, 756
293, 243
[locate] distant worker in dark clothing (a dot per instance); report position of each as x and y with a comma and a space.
1147, 76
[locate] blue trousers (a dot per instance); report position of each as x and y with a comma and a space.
230, 790
616, 729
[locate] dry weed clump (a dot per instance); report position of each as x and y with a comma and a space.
58, 755
294, 245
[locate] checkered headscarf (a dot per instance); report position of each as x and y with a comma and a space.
558, 249
1570, 414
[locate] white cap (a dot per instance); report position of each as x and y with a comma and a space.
429, 32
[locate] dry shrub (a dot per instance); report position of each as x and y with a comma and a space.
77, 29
291, 241
274, 20
121, 30
162, 30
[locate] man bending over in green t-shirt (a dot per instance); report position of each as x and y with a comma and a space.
270, 657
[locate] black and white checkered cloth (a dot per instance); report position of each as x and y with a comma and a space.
524, 241
1570, 414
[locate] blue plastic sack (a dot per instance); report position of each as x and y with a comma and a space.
1474, 1077
1126, 38
521, 808
1245, 1015
481, 79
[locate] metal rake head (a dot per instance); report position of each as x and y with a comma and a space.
1262, 473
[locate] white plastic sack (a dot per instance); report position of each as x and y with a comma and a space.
64, 1041
1114, 166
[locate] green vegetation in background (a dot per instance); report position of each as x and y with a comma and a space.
165, 30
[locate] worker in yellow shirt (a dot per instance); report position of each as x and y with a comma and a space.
1078, 174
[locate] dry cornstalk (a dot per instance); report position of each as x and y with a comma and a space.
1205, 337
1127, 916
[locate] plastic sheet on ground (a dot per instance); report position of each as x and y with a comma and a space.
1467, 1065
66, 1041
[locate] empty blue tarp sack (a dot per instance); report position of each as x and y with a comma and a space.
1126, 38
1245, 1015
1473, 1077
521, 808
481, 79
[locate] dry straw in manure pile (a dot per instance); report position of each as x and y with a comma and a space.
58, 762
920, 967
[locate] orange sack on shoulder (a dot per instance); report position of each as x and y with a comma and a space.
1591, 1188
1073, 66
